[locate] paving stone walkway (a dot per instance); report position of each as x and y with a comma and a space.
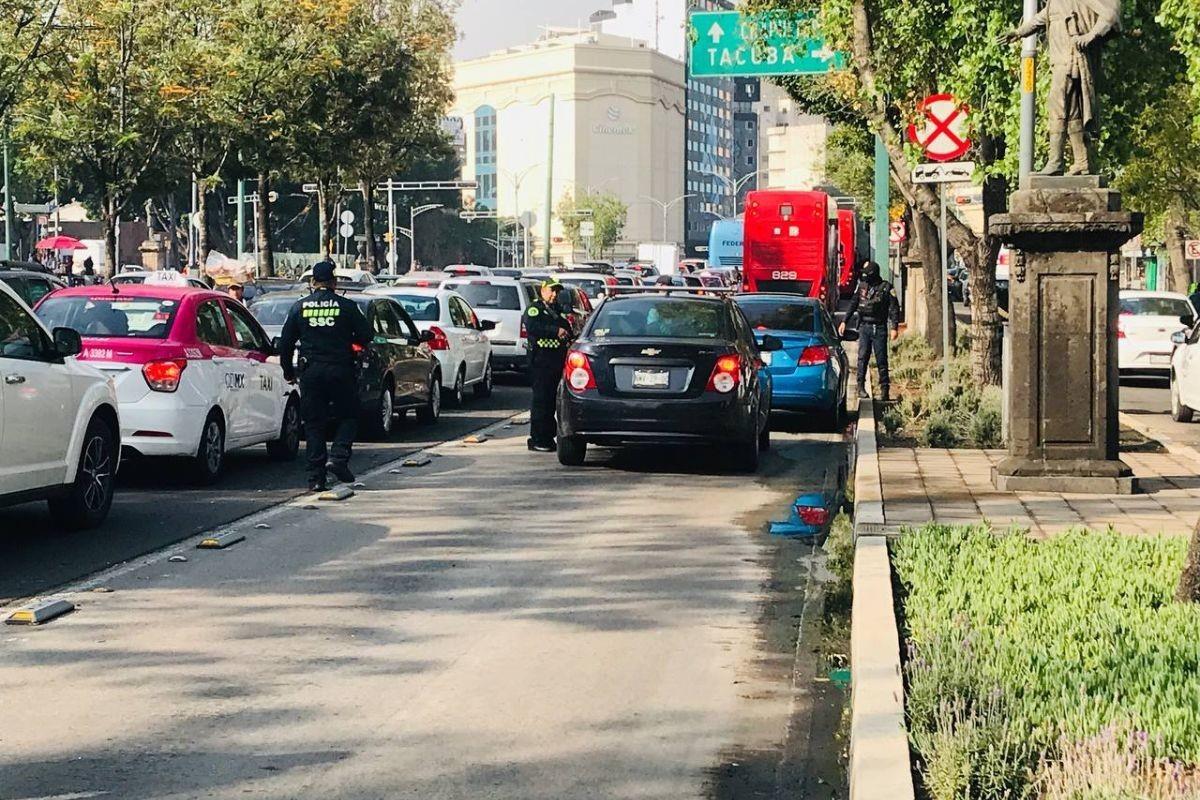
955, 487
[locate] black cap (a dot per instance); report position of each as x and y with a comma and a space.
323, 272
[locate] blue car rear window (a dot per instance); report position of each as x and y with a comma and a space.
780, 315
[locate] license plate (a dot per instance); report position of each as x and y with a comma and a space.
647, 379
1160, 359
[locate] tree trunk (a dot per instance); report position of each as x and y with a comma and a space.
987, 338
368, 194
201, 230
266, 256
929, 245
1189, 581
173, 232
109, 218
327, 196
1179, 277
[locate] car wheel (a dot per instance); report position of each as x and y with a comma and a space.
484, 387
458, 395
87, 501
572, 451
429, 413
764, 438
382, 420
1179, 412
287, 446
210, 457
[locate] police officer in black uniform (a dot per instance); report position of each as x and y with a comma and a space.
549, 336
878, 309
327, 326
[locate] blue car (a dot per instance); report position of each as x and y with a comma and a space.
812, 373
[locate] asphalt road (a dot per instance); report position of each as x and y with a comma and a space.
489, 626
156, 503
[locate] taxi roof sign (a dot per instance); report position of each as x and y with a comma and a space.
167, 277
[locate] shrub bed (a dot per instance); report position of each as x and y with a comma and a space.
930, 413
1059, 669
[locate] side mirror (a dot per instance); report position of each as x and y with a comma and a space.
1179, 337
67, 342
771, 344
487, 325
426, 337
850, 335
1187, 320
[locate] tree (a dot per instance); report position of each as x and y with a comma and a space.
899, 51
1188, 590
608, 215
1163, 177
28, 34
109, 116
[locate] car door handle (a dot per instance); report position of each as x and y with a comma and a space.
13, 380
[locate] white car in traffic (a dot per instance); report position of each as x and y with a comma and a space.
459, 341
60, 431
347, 275
504, 302
1146, 322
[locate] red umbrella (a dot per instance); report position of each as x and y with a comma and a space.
60, 243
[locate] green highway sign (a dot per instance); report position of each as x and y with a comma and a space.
729, 44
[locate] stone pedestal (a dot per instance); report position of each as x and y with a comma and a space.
1066, 235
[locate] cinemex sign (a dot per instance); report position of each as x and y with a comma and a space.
612, 125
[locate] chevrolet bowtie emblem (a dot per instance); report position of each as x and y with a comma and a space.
650, 351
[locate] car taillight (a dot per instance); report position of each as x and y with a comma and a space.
357, 348
577, 372
439, 341
814, 356
524, 329
1120, 329
726, 374
812, 515
164, 376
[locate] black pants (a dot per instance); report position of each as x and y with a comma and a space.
545, 375
873, 336
328, 390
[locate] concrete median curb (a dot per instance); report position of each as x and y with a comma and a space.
880, 762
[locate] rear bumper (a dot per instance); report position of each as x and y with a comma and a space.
609, 420
1144, 356
805, 389
166, 426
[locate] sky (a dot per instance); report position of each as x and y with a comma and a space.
487, 25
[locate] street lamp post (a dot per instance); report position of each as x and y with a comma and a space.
517, 179
666, 208
735, 187
413, 213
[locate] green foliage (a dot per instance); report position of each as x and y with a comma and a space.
29, 37
609, 214
1015, 646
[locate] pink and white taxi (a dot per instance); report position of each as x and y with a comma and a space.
194, 371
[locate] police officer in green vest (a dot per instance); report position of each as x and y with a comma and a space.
549, 337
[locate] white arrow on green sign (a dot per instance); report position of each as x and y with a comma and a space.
729, 44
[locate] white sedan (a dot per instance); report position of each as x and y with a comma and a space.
1145, 326
459, 336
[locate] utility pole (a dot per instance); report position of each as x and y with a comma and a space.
8, 206
241, 219
413, 213
1028, 94
549, 184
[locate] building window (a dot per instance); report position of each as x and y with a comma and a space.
485, 157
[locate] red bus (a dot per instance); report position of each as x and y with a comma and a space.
791, 244
851, 240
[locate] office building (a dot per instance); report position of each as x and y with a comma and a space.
619, 115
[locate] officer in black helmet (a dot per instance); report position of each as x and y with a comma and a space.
879, 311
327, 326
549, 336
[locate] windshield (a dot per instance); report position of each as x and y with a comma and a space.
488, 296
660, 318
1156, 306
419, 307
274, 311
593, 286
780, 315
111, 316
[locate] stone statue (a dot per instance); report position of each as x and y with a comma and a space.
1076, 31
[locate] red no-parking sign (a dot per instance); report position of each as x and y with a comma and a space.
943, 132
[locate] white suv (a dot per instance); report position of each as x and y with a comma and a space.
59, 428
502, 301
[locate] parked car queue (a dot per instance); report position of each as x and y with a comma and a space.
92, 374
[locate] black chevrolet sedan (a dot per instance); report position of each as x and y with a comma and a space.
666, 366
